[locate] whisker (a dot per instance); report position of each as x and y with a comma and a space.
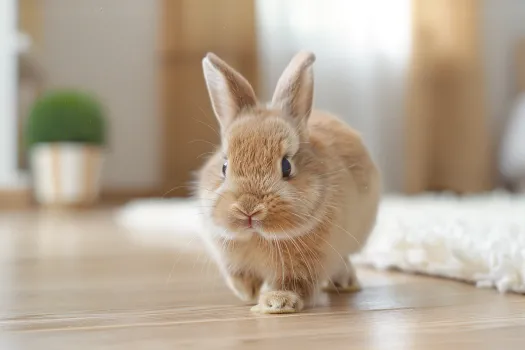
282, 262
332, 223
339, 170
328, 243
168, 279
205, 141
291, 263
319, 262
308, 267
191, 187
204, 154
205, 124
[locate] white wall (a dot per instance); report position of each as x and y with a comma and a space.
8, 86
503, 25
109, 47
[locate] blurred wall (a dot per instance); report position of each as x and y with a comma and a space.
109, 48
8, 76
504, 25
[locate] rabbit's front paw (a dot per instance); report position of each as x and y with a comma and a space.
345, 281
342, 286
245, 286
279, 302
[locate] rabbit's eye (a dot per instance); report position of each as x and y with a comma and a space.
286, 168
224, 167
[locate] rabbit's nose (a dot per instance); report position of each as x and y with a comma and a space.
251, 215
248, 208
255, 213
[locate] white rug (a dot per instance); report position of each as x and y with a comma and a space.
161, 222
477, 239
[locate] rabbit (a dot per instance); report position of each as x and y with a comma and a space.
288, 195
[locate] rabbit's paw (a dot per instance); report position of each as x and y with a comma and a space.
245, 286
342, 286
344, 282
279, 302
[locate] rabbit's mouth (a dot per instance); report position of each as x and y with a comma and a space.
243, 231
254, 227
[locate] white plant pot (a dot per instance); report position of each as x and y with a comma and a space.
66, 174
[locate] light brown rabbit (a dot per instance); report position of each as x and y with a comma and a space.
288, 195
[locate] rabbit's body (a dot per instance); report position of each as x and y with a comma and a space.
280, 239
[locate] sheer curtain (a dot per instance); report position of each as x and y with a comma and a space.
362, 50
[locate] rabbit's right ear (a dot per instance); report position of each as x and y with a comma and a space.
229, 91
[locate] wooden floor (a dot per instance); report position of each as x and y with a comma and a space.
77, 281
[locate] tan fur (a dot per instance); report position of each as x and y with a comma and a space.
304, 227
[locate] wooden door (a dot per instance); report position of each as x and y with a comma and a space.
190, 29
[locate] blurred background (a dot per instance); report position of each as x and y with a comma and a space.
433, 86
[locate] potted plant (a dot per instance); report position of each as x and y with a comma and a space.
65, 136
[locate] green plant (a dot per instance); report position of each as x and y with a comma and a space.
66, 116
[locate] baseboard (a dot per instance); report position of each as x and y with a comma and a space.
19, 199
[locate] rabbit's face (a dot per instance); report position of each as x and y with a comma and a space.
265, 181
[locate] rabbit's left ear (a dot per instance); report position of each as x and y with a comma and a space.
295, 88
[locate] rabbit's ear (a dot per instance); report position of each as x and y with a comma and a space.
295, 88
229, 91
